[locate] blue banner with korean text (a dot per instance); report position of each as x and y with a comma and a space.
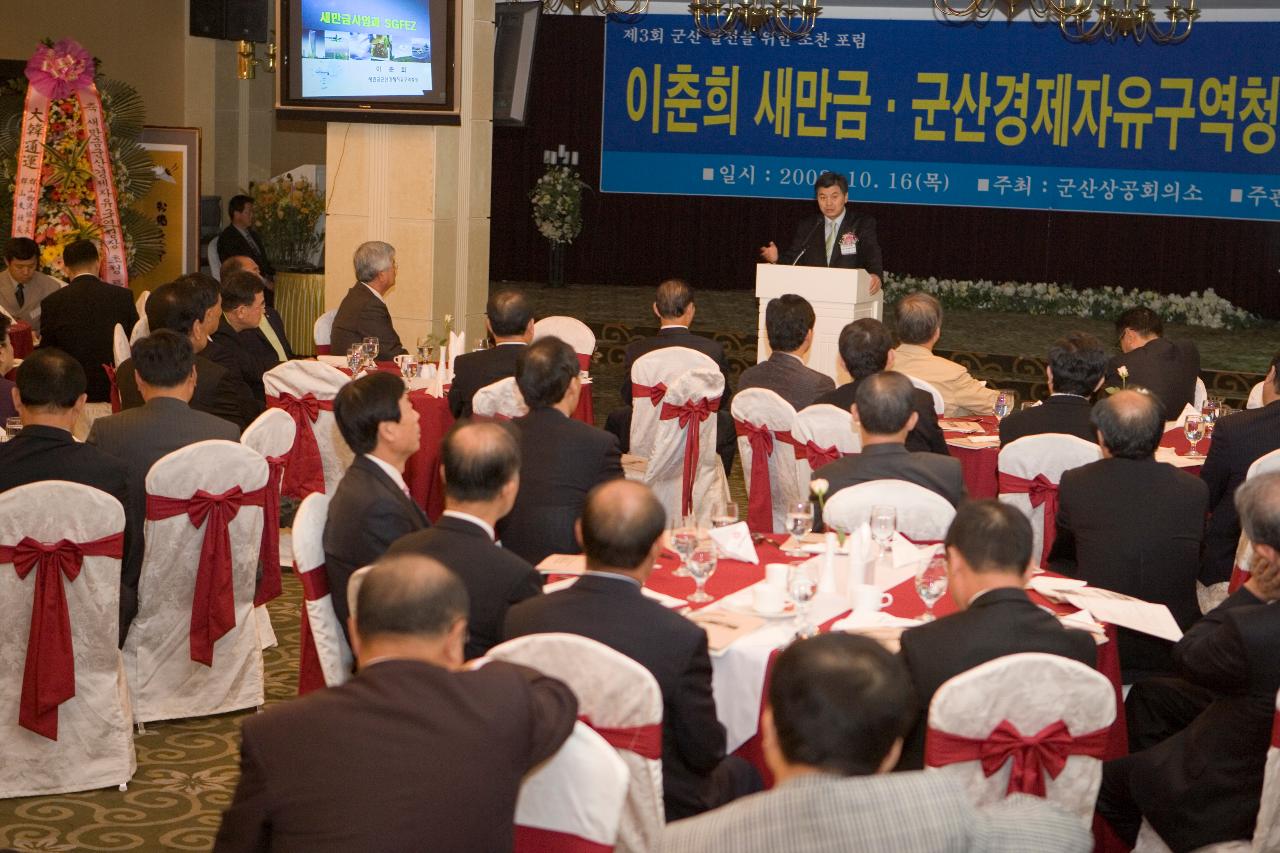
921, 112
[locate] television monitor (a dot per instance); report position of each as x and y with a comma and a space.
517, 32
368, 60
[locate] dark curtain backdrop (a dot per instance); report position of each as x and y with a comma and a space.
640, 239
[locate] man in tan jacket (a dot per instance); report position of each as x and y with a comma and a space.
919, 325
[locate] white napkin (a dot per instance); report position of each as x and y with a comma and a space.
1083, 620
734, 543
1171, 457
860, 550
1053, 588
875, 619
426, 378
457, 346
335, 360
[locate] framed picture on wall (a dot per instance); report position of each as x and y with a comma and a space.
174, 201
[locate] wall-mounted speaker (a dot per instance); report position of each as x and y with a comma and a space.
234, 20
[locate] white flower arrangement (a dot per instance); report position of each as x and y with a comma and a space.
1104, 303
557, 204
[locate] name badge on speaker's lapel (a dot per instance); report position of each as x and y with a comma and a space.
848, 243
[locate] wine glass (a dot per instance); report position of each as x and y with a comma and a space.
799, 523
1004, 404
884, 523
724, 514
355, 359
1210, 412
1193, 429
931, 583
370, 348
426, 346
702, 563
684, 539
802, 585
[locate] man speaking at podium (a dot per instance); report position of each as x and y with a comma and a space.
838, 237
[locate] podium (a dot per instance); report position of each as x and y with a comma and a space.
838, 297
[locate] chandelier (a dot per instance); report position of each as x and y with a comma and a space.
604, 7
1114, 18
716, 19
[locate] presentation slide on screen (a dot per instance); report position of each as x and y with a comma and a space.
365, 49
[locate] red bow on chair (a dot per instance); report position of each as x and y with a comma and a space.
213, 606
49, 677
315, 586
1041, 490
691, 415
304, 471
269, 586
761, 439
817, 456
644, 741
655, 393
1046, 751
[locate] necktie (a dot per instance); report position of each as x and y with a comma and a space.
831, 239
268, 332
20, 294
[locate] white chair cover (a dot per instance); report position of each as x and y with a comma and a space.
664, 472
353, 586
271, 434
94, 748
120, 351
573, 332
1201, 393
614, 692
1049, 454
215, 263
501, 399
141, 303
826, 427
661, 366
923, 516
938, 405
332, 651
575, 796
1266, 835
166, 683
300, 377
1264, 464
1210, 597
141, 329
1030, 690
1255, 397
322, 331
765, 409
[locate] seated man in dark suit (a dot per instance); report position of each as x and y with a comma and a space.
562, 459
988, 549
50, 398
866, 348
222, 349
270, 339
179, 307
363, 312
165, 373
481, 477
675, 310
1201, 781
242, 307
371, 508
509, 319
1074, 373
788, 321
1238, 441
80, 319
838, 706
621, 533
416, 752
1133, 525
884, 410
1168, 369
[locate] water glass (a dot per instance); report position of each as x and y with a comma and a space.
931, 584
355, 359
1193, 429
724, 514
13, 426
1004, 403
408, 367
684, 539
802, 585
1210, 412
426, 346
702, 563
371, 347
799, 523
884, 523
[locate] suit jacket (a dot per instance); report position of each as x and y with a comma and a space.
1238, 440
1059, 413
231, 243
406, 756
41, 453
809, 244
256, 341
789, 378
961, 394
218, 392
33, 294
1000, 622
363, 314
495, 577
926, 437
1134, 526
1204, 784
612, 610
367, 513
234, 351
79, 319
899, 812
474, 370
139, 437
676, 336
561, 460
1166, 368
892, 462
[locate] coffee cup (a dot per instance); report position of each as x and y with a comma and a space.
775, 575
868, 598
767, 599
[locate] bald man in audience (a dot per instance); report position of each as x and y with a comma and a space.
417, 751
919, 326
837, 708
481, 463
1200, 741
621, 533
508, 317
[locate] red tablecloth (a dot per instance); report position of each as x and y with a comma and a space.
22, 339
422, 473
